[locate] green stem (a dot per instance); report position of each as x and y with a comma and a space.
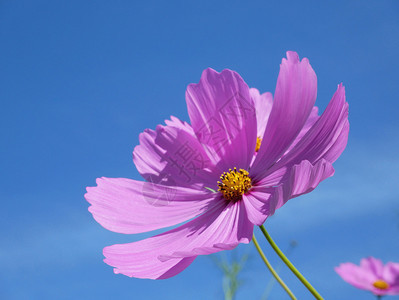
274, 273
290, 265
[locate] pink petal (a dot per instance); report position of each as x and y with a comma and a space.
130, 206
293, 101
222, 227
338, 146
223, 230
257, 204
176, 122
263, 106
313, 117
393, 290
356, 276
274, 178
373, 265
391, 274
223, 117
171, 155
326, 139
143, 264
301, 179
305, 177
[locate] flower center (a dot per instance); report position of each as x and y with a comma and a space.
258, 142
381, 284
234, 184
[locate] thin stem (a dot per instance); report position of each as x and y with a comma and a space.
269, 266
272, 281
290, 265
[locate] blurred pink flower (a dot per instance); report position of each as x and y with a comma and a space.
207, 171
372, 275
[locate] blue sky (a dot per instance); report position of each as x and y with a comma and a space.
81, 80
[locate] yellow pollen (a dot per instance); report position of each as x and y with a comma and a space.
381, 284
258, 142
234, 184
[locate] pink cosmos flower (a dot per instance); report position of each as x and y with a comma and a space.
242, 157
372, 275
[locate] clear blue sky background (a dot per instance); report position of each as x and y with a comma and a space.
79, 80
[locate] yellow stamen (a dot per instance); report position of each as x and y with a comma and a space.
258, 142
381, 284
234, 184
